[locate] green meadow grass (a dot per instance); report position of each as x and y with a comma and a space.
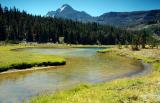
10, 59
144, 89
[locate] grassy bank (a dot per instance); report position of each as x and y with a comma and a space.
20, 60
144, 89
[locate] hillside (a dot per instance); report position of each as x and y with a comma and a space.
120, 19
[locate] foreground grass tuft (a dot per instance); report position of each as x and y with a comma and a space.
20, 60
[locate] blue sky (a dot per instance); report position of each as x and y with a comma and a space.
93, 7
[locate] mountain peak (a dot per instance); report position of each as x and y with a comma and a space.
110, 18
65, 6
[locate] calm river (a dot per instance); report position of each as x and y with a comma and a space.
84, 65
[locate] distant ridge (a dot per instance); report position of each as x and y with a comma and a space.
123, 19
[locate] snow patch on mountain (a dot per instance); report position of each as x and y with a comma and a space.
62, 8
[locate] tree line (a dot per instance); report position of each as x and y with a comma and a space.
18, 25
